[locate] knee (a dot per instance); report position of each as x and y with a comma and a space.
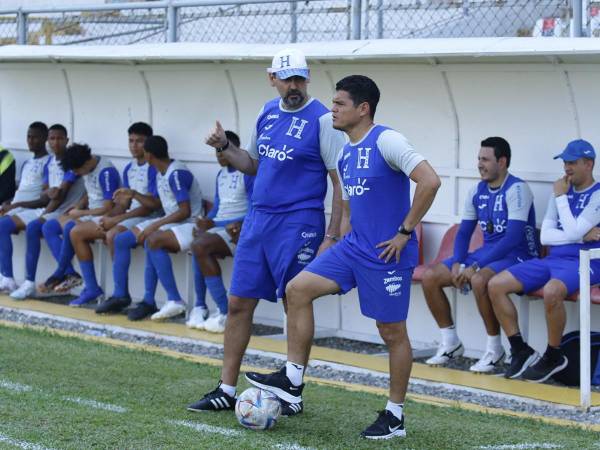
237, 306
295, 290
153, 242
478, 283
6, 224
69, 227
201, 248
34, 229
51, 227
391, 333
430, 278
495, 288
553, 295
76, 233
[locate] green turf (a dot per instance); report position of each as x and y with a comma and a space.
155, 389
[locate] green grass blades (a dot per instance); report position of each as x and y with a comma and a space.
65, 393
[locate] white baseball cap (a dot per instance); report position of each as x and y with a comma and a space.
289, 62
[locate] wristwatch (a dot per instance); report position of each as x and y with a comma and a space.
222, 149
475, 267
402, 230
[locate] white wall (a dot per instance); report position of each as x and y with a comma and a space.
444, 108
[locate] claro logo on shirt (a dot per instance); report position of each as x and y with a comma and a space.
357, 189
271, 152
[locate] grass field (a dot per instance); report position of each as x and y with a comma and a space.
62, 392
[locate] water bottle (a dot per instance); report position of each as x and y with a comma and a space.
466, 288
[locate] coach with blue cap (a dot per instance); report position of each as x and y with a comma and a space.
571, 224
292, 150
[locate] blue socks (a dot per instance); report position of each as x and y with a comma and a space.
150, 280
124, 242
89, 276
217, 290
7, 227
199, 284
33, 234
52, 231
164, 268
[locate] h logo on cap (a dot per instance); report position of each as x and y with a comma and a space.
284, 61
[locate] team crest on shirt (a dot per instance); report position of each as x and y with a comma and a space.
393, 285
296, 127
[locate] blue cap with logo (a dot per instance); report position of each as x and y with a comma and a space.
288, 63
577, 149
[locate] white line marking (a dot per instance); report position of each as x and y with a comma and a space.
203, 428
290, 447
17, 387
97, 405
534, 445
21, 444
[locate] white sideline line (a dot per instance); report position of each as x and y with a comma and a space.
290, 447
21, 444
97, 405
17, 387
534, 445
203, 428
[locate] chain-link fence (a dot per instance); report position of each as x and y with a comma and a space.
274, 21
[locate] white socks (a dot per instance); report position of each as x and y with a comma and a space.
494, 344
294, 372
229, 390
395, 408
449, 336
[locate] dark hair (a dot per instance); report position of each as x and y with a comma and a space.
157, 146
59, 127
141, 128
234, 138
76, 155
361, 89
40, 126
501, 148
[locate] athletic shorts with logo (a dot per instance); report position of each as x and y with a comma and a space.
273, 249
497, 266
384, 294
535, 273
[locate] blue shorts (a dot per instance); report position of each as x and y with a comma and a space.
384, 294
497, 266
273, 249
535, 273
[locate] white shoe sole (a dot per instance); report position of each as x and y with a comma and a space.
529, 362
555, 370
397, 433
278, 392
458, 351
487, 369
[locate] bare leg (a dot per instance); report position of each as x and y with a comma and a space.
207, 247
479, 283
395, 337
498, 289
555, 292
110, 238
434, 280
82, 235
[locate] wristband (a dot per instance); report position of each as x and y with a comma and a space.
332, 237
222, 149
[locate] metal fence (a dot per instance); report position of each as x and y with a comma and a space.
276, 21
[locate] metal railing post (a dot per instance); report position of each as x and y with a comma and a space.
379, 19
293, 22
576, 30
584, 330
356, 18
21, 27
171, 23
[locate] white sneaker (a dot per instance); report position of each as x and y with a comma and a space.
8, 284
445, 354
197, 318
216, 323
168, 310
488, 361
26, 290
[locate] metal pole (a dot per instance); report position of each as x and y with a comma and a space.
21, 28
293, 22
379, 19
356, 16
584, 330
577, 18
171, 23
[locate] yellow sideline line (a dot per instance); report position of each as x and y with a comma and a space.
419, 398
543, 392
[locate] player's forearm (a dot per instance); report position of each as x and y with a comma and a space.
422, 201
53, 205
150, 202
177, 216
345, 226
39, 203
334, 228
142, 211
105, 208
240, 160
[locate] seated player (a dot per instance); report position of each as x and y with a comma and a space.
28, 203
214, 238
502, 206
8, 172
137, 175
65, 189
569, 226
101, 180
181, 200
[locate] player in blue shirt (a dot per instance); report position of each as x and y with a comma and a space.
501, 205
216, 237
377, 253
570, 225
101, 180
181, 200
27, 204
65, 189
292, 151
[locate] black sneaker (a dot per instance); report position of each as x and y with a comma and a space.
291, 409
520, 361
278, 383
216, 400
386, 426
544, 368
141, 311
113, 305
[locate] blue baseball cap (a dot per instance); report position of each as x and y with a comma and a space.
577, 149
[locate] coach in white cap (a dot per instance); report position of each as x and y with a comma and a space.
292, 150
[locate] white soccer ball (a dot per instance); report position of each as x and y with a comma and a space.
257, 409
